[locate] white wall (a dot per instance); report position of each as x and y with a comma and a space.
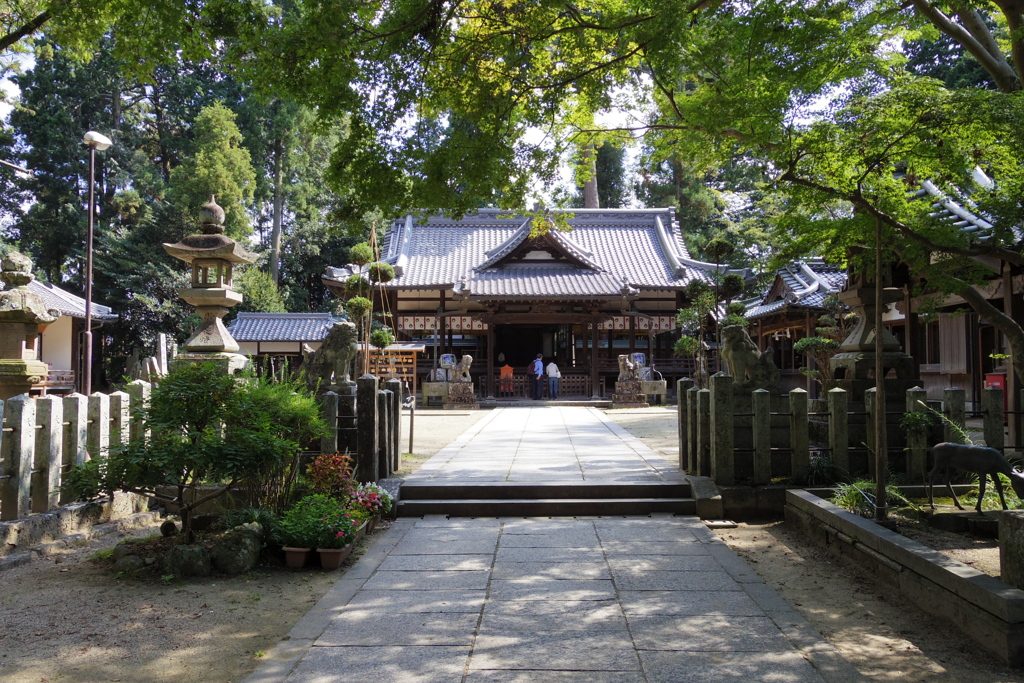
57, 339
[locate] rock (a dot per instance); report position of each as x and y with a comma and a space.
129, 563
204, 522
238, 550
187, 560
122, 550
169, 528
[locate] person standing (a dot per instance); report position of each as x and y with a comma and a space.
537, 377
554, 374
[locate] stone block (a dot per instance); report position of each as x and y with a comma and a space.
187, 560
1011, 547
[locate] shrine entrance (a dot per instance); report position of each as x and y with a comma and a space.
521, 343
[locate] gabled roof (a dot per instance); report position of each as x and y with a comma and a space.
67, 303
801, 284
607, 252
281, 327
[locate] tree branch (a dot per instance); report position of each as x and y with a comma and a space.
861, 202
999, 69
28, 29
1013, 10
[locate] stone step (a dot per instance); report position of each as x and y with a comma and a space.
503, 490
538, 507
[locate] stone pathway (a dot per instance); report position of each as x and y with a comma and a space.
588, 599
549, 445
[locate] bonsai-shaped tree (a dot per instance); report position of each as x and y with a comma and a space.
832, 329
209, 432
360, 306
695, 322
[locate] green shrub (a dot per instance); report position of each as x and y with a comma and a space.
309, 523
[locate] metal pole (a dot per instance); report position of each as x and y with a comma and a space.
87, 380
881, 445
412, 420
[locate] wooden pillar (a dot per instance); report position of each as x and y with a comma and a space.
808, 332
595, 390
632, 336
490, 361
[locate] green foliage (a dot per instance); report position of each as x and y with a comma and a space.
687, 347
822, 470
207, 428
361, 254
358, 307
382, 338
311, 521
381, 272
269, 520
732, 285
357, 285
259, 291
858, 497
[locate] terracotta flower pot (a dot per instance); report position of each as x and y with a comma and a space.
331, 558
371, 523
297, 557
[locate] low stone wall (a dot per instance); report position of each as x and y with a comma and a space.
19, 535
988, 611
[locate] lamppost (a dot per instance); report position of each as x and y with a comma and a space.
94, 141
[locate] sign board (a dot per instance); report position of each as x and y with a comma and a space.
640, 359
447, 360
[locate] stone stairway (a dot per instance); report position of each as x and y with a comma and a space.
549, 499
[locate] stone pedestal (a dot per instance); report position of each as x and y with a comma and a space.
461, 396
629, 394
21, 313
230, 363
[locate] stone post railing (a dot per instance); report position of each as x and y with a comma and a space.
955, 401
917, 437
722, 456
800, 458
839, 430
366, 429
682, 422
992, 417
762, 424
44, 437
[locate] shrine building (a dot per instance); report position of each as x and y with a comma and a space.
490, 286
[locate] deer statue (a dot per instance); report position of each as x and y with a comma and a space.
981, 460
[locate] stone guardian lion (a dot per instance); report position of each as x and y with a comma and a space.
329, 365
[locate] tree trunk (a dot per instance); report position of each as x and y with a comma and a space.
275, 234
1004, 323
590, 200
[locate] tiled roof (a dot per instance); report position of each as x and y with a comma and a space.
801, 284
640, 247
961, 211
281, 327
561, 281
67, 303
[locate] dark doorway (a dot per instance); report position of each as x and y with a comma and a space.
522, 343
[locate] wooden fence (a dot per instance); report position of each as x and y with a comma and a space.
708, 426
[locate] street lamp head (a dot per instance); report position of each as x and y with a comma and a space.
97, 141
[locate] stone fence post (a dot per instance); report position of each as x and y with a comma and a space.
76, 424
682, 432
762, 435
383, 433
800, 464
839, 429
120, 415
139, 391
722, 456
955, 404
49, 452
703, 444
917, 437
329, 413
366, 429
98, 439
395, 387
992, 416
17, 453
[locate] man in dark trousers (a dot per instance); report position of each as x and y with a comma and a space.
537, 377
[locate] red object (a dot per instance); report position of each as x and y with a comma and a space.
999, 382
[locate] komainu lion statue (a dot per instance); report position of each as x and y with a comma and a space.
628, 369
749, 368
461, 372
329, 365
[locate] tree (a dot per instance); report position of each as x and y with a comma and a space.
207, 429
610, 172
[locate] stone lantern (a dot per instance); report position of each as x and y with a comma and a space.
212, 256
21, 313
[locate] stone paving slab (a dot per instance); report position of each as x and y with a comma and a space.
589, 599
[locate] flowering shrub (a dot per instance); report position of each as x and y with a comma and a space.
339, 532
310, 521
331, 475
372, 498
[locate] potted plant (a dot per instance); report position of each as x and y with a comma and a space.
336, 543
373, 501
305, 525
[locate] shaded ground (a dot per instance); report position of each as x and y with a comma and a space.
63, 618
